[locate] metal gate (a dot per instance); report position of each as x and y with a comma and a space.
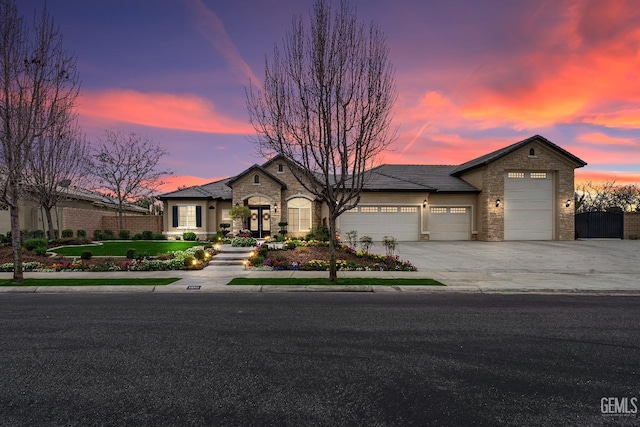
600, 225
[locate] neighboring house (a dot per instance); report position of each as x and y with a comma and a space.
81, 209
521, 192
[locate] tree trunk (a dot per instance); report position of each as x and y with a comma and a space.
333, 274
120, 220
51, 230
16, 242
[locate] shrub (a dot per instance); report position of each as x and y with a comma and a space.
189, 261
86, 255
137, 236
97, 234
352, 238
159, 236
67, 232
36, 234
40, 250
189, 236
290, 245
199, 254
81, 233
147, 235
319, 233
243, 241
365, 243
224, 228
131, 253
124, 234
108, 235
72, 241
390, 243
31, 244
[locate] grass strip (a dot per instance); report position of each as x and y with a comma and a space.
91, 282
120, 248
321, 281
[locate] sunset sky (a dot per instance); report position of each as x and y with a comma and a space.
472, 76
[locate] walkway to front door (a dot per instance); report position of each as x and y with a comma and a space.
260, 221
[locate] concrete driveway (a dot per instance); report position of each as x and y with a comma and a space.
607, 265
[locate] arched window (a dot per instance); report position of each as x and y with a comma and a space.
299, 214
256, 179
532, 151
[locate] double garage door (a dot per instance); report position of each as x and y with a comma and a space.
403, 222
528, 206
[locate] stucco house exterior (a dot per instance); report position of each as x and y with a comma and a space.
521, 192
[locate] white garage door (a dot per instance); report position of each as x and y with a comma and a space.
401, 222
528, 206
449, 223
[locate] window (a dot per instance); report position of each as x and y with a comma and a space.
353, 210
517, 175
458, 210
256, 179
226, 214
538, 175
388, 209
409, 209
299, 214
532, 152
438, 210
369, 209
280, 168
187, 216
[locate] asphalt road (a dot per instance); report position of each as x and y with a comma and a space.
318, 359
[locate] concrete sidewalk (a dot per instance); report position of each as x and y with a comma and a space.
607, 267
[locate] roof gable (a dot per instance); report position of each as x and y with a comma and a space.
256, 168
491, 157
216, 190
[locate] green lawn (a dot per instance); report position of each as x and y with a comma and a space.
91, 282
151, 248
352, 281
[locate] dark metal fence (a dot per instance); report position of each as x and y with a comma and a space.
600, 225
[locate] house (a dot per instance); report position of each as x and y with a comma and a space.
520, 192
81, 209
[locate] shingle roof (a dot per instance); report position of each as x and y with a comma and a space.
488, 158
217, 190
253, 168
432, 178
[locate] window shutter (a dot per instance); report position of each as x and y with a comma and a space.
175, 216
198, 216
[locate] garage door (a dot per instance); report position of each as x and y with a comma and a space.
528, 206
401, 222
449, 223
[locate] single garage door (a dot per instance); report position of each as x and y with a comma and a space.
528, 206
401, 222
449, 223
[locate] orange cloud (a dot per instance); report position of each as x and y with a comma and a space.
172, 183
162, 110
621, 178
601, 138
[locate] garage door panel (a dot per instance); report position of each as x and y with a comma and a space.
403, 226
528, 206
449, 223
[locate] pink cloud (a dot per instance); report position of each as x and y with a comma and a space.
162, 110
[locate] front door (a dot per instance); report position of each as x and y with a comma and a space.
260, 221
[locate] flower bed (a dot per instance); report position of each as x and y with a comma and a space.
314, 256
193, 258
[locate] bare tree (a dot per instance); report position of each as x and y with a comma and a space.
326, 107
58, 160
125, 166
607, 195
39, 84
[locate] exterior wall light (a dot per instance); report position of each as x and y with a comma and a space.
568, 203
498, 203
424, 203
275, 207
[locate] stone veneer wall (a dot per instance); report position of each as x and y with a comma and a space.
632, 225
491, 227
